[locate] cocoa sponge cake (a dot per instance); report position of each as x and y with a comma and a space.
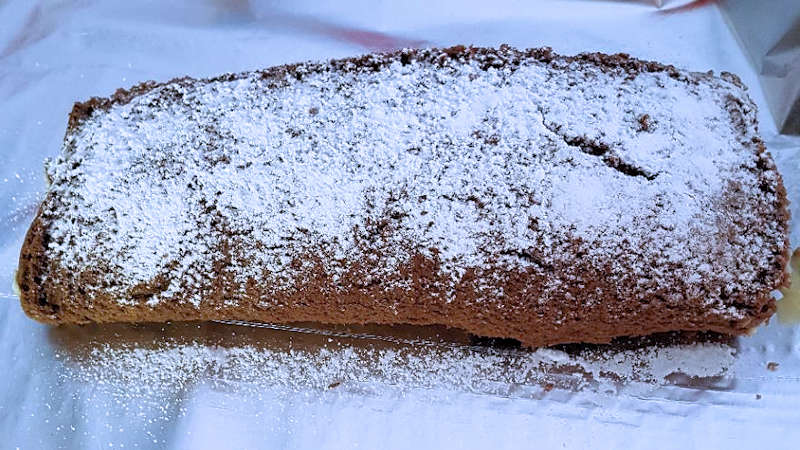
509, 193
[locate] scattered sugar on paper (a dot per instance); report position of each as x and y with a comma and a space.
141, 371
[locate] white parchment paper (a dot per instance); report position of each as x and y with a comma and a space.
232, 386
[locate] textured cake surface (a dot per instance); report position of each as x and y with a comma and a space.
511, 193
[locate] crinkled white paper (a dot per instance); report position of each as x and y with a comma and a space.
234, 386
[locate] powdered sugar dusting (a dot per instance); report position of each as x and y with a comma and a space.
468, 163
172, 366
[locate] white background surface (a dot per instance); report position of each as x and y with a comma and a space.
55, 53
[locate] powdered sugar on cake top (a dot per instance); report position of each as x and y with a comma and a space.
469, 164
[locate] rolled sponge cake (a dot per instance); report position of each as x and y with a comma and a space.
510, 193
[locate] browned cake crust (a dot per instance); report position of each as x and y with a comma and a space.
561, 279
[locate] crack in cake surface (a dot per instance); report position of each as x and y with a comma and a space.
599, 149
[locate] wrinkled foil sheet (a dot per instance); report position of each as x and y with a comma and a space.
238, 385
771, 38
